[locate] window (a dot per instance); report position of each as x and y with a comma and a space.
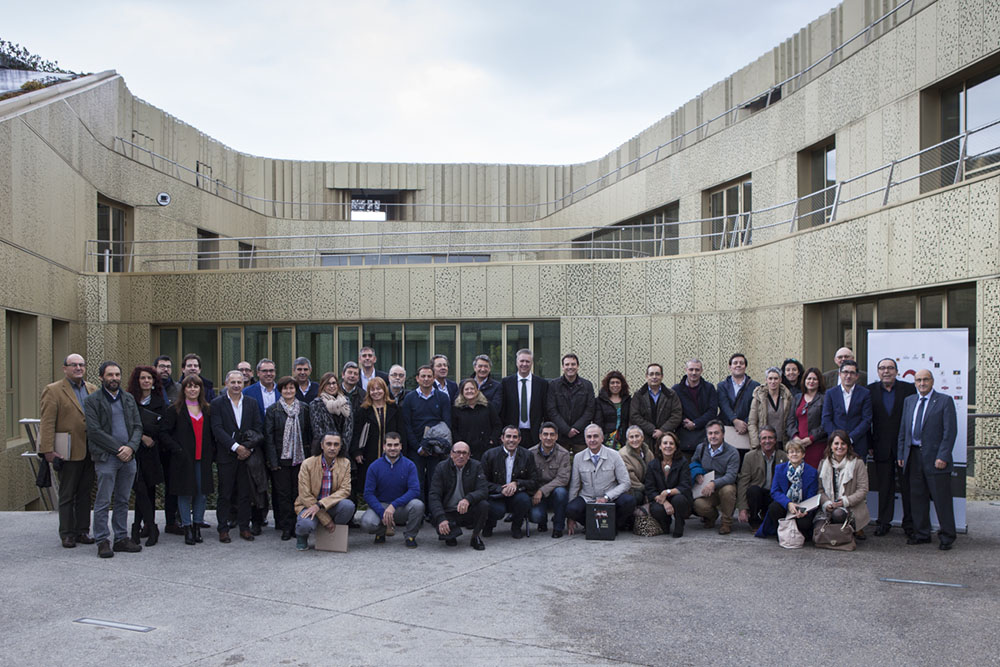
246, 254
727, 209
113, 235
963, 104
21, 366
817, 178
208, 250
648, 235
846, 323
377, 205
329, 346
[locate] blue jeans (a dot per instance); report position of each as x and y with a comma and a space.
114, 478
555, 502
192, 508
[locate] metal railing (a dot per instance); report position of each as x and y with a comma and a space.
265, 206
939, 165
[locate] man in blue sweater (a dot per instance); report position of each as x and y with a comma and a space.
423, 407
392, 492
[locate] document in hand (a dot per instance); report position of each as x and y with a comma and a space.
62, 445
705, 479
809, 504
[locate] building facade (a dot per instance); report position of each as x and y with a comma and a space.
841, 182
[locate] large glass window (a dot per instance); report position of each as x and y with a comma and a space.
444, 343
728, 209
962, 313
417, 351
518, 338
202, 341
481, 338
112, 236
546, 348
648, 235
315, 343
255, 338
387, 341
281, 350
347, 346
13, 369
231, 350
817, 181
170, 346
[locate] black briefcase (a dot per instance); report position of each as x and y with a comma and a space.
600, 521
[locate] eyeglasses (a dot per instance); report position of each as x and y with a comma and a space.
848, 372
75, 365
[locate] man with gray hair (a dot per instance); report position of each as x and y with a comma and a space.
397, 383
489, 387
233, 414
599, 475
305, 389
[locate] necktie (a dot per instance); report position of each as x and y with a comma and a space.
595, 458
524, 399
918, 424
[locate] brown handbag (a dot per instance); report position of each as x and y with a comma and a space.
839, 536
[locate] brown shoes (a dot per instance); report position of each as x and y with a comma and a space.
68, 541
224, 537
246, 535
725, 528
84, 538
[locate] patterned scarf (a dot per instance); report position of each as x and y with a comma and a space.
794, 493
291, 441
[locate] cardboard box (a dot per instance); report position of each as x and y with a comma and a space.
325, 541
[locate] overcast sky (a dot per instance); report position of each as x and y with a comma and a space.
413, 80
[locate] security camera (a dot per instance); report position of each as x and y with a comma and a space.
163, 199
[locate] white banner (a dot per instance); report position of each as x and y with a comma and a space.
945, 353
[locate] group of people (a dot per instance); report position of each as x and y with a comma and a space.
466, 455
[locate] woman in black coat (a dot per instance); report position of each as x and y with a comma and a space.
381, 414
287, 434
144, 385
474, 420
668, 485
188, 435
330, 411
611, 409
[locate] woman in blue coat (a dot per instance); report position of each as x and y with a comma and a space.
793, 482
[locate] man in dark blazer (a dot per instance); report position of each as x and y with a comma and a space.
458, 497
511, 488
62, 416
305, 389
264, 391
524, 398
849, 407
699, 405
233, 414
926, 440
490, 388
440, 366
888, 395
114, 433
366, 362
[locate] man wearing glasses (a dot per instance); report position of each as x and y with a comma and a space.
849, 407
888, 395
62, 423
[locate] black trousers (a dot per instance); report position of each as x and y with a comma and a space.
475, 518
758, 500
927, 483
804, 524
172, 516
286, 480
76, 481
576, 510
888, 478
682, 510
234, 479
145, 501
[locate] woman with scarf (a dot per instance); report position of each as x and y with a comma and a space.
287, 434
843, 481
144, 385
794, 481
330, 411
668, 486
770, 405
187, 435
636, 455
381, 415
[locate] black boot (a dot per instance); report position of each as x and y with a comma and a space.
197, 533
154, 535
189, 535
678, 527
136, 529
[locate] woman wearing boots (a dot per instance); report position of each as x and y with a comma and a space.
188, 435
668, 486
144, 385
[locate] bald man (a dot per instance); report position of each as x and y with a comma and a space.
831, 378
930, 425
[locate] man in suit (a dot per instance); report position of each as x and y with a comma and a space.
305, 389
753, 486
849, 408
512, 479
831, 378
367, 359
489, 387
887, 410
570, 404
232, 414
264, 392
247, 370
524, 398
439, 363
191, 365
62, 416
926, 439
458, 497
655, 408
114, 433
